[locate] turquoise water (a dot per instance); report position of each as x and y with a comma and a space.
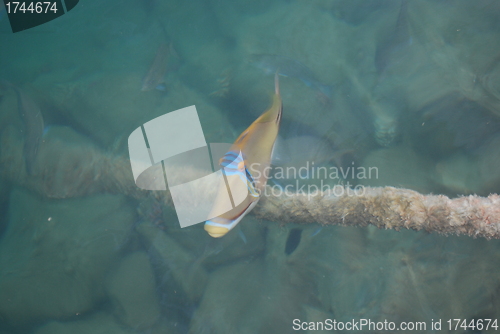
407, 88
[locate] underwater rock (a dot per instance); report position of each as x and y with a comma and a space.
477, 173
458, 174
243, 242
386, 123
170, 326
397, 166
488, 162
491, 93
70, 165
230, 13
132, 291
280, 38
109, 106
217, 311
395, 44
353, 12
8, 104
186, 270
335, 52
206, 48
54, 253
383, 107
100, 323
243, 298
435, 277
348, 282
316, 315
246, 240
4, 196
453, 123
261, 295
398, 276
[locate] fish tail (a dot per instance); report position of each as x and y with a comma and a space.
277, 82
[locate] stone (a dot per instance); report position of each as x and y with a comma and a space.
131, 289
55, 254
109, 106
411, 170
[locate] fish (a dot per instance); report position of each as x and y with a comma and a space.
155, 78
254, 149
33, 125
389, 51
288, 67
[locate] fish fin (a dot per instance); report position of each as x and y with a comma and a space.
219, 229
242, 235
316, 232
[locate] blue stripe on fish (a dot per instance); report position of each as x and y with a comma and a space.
231, 163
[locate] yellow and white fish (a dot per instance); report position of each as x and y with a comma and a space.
249, 158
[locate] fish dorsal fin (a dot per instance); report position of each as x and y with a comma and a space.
272, 113
276, 107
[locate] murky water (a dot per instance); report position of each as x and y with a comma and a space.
375, 93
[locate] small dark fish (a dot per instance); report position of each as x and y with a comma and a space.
155, 78
33, 125
293, 240
391, 48
289, 67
